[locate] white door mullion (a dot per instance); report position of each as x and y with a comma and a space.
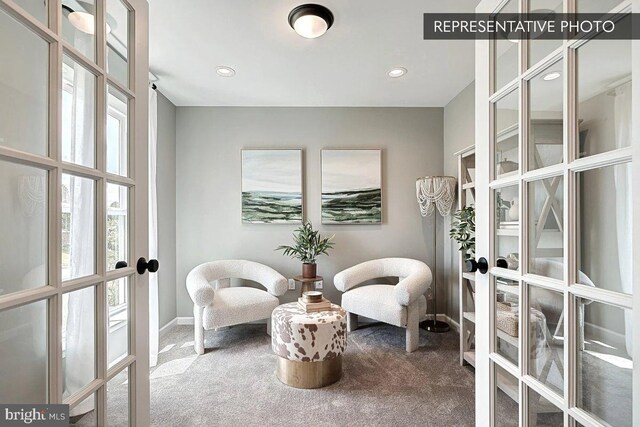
28, 159
609, 158
102, 329
84, 393
56, 381
635, 143
544, 391
26, 297
523, 394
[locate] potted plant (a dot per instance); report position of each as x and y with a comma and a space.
308, 245
463, 231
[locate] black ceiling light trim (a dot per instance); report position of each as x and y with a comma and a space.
311, 9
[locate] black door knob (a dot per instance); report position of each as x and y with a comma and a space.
152, 265
481, 265
121, 264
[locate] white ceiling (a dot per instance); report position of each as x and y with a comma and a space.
275, 67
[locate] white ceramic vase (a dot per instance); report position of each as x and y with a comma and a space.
514, 210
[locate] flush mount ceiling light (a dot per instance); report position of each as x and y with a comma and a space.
310, 20
225, 71
84, 20
397, 72
551, 76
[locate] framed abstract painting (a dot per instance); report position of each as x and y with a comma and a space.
272, 186
351, 186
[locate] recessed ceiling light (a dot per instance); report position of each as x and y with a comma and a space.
225, 71
397, 72
310, 20
551, 76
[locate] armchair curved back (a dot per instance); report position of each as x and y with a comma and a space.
555, 269
200, 278
415, 276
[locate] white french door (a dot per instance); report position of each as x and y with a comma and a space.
558, 214
73, 207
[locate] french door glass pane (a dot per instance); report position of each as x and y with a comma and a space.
506, 51
507, 319
506, 398
507, 227
546, 340
507, 113
78, 227
23, 354
118, 399
24, 87
117, 224
78, 339
117, 132
24, 207
546, 118
78, 114
604, 257
546, 227
38, 9
605, 366
604, 96
118, 41
118, 313
538, 49
543, 413
79, 25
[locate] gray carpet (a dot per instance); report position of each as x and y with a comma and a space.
233, 383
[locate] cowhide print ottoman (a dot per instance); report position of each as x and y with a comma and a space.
309, 345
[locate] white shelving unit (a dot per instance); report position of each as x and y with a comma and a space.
466, 282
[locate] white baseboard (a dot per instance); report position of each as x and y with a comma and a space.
184, 320
603, 334
189, 321
169, 324
454, 325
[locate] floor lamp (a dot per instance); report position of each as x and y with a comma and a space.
435, 192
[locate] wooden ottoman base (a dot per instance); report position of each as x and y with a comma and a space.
309, 374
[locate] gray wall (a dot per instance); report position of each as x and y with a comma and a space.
459, 133
166, 181
209, 223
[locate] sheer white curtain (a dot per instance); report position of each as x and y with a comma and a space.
623, 202
79, 351
154, 326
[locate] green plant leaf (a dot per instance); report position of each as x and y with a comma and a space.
308, 244
463, 228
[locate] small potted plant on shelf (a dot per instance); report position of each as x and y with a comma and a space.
308, 245
463, 231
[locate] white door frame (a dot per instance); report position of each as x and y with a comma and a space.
484, 397
636, 222
139, 75
485, 301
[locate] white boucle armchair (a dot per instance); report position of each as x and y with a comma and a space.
218, 305
401, 305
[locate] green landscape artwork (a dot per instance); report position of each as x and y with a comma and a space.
351, 187
272, 186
